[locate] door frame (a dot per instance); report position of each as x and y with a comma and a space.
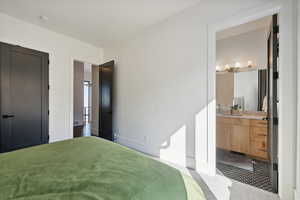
285, 138
71, 95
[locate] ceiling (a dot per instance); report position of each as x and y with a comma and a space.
103, 22
97, 22
262, 23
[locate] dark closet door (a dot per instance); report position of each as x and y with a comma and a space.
24, 97
273, 50
105, 100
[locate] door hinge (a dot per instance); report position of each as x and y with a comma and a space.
275, 120
275, 75
48, 112
277, 49
275, 166
48, 87
48, 62
276, 29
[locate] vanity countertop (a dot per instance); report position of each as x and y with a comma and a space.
245, 116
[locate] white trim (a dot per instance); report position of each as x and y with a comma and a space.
287, 130
71, 97
297, 195
297, 190
285, 190
190, 162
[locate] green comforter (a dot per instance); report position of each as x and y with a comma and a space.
90, 168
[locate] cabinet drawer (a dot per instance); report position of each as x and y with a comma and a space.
224, 120
260, 142
259, 123
241, 122
258, 131
259, 149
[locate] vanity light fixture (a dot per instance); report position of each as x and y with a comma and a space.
227, 67
237, 67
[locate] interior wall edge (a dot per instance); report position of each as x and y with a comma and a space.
297, 188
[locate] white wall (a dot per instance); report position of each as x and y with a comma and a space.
244, 47
62, 50
246, 85
287, 99
161, 85
155, 99
297, 191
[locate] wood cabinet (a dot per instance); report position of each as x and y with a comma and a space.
223, 131
223, 136
240, 138
259, 139
241, 135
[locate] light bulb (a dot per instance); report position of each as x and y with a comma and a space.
250, 63
237, 65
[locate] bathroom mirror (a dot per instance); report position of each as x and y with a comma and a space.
244, 90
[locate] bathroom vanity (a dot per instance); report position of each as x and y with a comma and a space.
247, 134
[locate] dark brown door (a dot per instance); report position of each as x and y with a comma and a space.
273, 50
24, 97
105, 98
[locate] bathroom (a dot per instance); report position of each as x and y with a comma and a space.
246, 145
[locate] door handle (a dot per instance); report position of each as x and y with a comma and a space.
7, 116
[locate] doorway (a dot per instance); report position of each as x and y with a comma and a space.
93, 100
246, 103
82, 107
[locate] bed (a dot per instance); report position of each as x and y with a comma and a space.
90, 168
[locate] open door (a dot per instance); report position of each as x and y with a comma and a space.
105, 100
273, 54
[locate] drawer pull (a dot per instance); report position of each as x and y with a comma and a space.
261, 123
261, 134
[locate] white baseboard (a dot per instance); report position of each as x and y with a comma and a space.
145, 148
297, 195
205, 168
94, 132
190, 162
133, 144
